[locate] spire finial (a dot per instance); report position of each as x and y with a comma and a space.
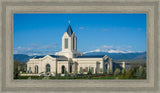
69, 21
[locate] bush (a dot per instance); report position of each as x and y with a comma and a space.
117, 71
142, 72
123, 71
101, 70
129, 74
89, 72
81, 71
109, 71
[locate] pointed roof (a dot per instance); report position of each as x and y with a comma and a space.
69, 30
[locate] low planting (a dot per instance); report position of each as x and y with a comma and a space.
132, 73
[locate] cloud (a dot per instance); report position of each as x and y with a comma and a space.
139, 29
37, 49
111, 49
129, 46
105, 29
81, 27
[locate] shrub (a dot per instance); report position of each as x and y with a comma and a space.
129, 74
66, 73
89, 71
105, 70
123, 71
81, 71
100, 70
142, 72
117, 71
109, 71
75, 73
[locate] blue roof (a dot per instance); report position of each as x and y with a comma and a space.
53, 56
69, 30
59, 58
91, 56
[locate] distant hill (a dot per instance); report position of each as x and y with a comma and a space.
139, 56
134, 57
22, 57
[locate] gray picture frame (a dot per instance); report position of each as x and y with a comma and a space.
150, 7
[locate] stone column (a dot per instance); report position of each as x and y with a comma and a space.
73, 67
123, 65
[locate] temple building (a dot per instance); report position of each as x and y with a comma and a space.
69, 59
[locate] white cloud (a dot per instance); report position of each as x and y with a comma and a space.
110, 49
81, 27
105, 29
37, 49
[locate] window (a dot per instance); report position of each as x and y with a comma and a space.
86, 69
92, 69
36, 69
66, 43
63, 69
47, 68
81, 68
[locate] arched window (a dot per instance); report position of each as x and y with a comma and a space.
48, 68
36, 69
70, 68
66, 43
63, 69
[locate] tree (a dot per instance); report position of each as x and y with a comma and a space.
109, 71
129, 74
117, 71
100, 70
123, 71
105, 70
142, 72
16, 72
81, 71
89, 71
75, 73
65, 73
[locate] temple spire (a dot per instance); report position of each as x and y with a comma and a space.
69, 30
69, 21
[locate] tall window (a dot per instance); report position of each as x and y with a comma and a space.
47, 68
86, 69
36, 69
63, 69
66, 43
81, 68
92, 69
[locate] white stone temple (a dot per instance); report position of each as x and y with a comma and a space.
69, 59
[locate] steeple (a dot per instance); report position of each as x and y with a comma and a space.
69, 44
69, 29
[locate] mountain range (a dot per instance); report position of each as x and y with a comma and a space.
137, 56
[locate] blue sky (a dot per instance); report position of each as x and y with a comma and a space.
41, 34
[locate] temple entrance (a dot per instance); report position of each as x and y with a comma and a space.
36, 69
70, 68
63, 69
